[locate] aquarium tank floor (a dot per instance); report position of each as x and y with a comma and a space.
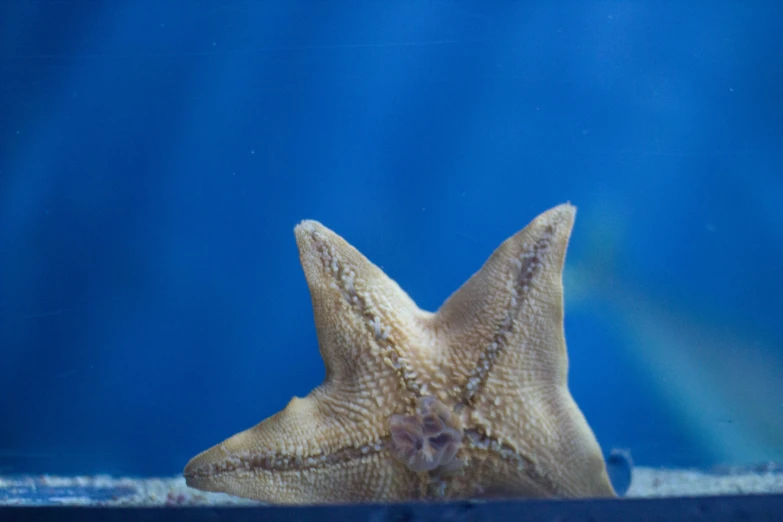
104, 490
748, 494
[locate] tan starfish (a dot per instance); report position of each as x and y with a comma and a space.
468, 402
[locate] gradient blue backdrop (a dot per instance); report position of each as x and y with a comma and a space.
156, 155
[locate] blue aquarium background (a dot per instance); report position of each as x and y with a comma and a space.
156, 155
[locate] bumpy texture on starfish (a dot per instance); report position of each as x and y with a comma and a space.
468, 402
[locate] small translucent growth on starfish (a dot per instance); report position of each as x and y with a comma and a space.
427, 440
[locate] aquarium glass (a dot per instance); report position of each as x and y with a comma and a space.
156, 157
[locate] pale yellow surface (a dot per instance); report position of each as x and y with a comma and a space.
494, 353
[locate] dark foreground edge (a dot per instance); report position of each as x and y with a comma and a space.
747, 508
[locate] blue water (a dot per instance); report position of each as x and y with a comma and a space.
155, 157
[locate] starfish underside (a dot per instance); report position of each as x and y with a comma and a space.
468, 402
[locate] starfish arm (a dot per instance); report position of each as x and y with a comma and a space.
505, 326
521, 276
361, 315
333, 444
296, 457
364, 320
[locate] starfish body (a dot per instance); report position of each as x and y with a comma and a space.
468, 402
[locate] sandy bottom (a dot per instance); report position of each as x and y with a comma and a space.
110, 491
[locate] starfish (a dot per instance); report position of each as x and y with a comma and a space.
468, 402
